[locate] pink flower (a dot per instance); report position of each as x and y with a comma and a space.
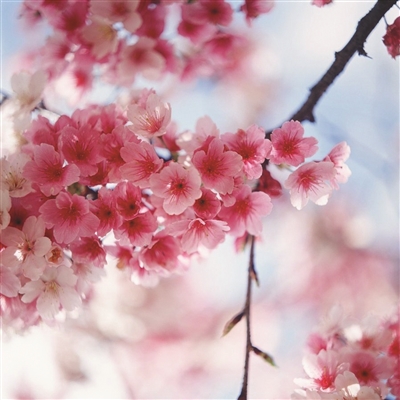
392, 38
217, 12
217, 167
252, 146
54, 288
81, 147
196, 232
12, 178
10, 284
322, 370
89, 250
5, 206
321, 3
26, 248
48, 170
254, 8
69, 216
179, 187
289, 146
102, 36
128, 200
310, 181
338, 155
152, 119
141, 163
140, 58
207, 206
247, 212
104, 208
138, 230
161, 254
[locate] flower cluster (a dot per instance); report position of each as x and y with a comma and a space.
100, 174
352, 361
124, 39
392, 38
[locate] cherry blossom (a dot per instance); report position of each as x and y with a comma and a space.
5, 206
69, 216
392, 38
10, 284
254, 8
245, 214
151, 119
55, 288
207, 206
179, 187
321, 3
338, 155
310, 181
49, 171
26, 248
217, 167
289, 146
252, 146
12, 178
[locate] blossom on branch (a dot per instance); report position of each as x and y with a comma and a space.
392, 38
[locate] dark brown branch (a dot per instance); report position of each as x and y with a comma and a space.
355, 45
246, 310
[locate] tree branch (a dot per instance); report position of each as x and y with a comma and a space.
356, 44
246, 310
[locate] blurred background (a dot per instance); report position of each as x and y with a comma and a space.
165, 342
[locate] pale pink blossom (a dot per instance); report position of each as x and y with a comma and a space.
141, 163
5, 206
310, 181
55, 288
49, 171
28, 89
252, 146
55, 256
26, 248
9, 282
205, 128
217, 166
349, 388
179, 187
338, 155
12, 178
152, 119
289, 146
247, 212
69, 216
322, 370
102, 37
196, 232
118, 11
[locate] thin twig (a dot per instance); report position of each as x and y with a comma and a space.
355, 45
246, 310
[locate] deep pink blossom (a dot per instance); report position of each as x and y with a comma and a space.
26, 249
128, 200
69, 216
247, 212
310, 181
254, 8
321, 3
289, 146
252, 146
138, 231
55, 288
141, 163
81, 147
208, 205
392, 38
217, 166
217, 12
179, 187
49, 171
89, 250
